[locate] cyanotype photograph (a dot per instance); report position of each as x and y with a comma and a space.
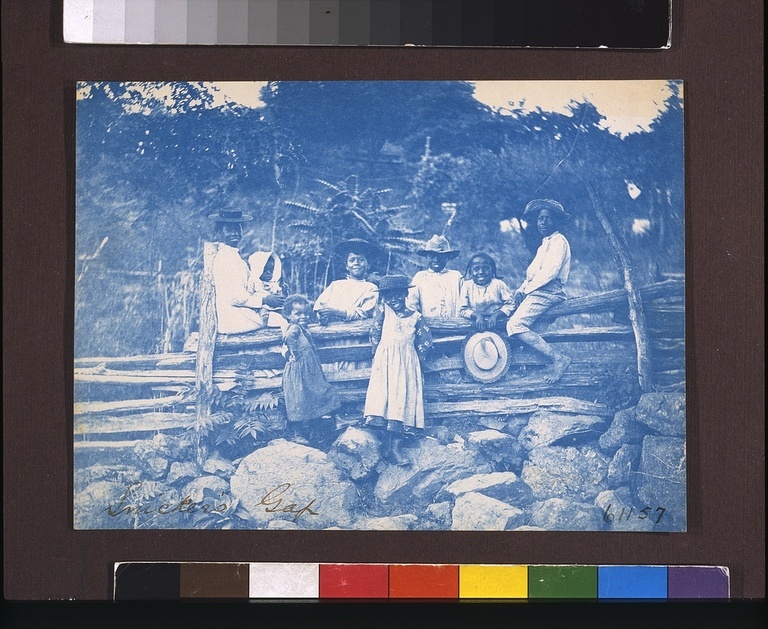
380, 305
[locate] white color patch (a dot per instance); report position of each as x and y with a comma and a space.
284, 580
78, 21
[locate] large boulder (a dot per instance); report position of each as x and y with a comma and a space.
623, 465
623, 430
504, 486
660, 481
557, 514
663, 413
289, 481
574, 473
546, 428
356, 452
476, 512
432, 466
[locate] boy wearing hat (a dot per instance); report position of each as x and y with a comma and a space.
237, 306
436, 290
543, 285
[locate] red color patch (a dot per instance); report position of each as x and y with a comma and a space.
354, 581
424, 581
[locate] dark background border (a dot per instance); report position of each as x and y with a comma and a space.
717, 49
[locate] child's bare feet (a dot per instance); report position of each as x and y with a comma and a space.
559, 365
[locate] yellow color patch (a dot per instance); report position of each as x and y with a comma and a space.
493, 581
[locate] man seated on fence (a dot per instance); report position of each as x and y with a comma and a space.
238, 307
543, 285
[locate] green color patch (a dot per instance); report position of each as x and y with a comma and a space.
562, 582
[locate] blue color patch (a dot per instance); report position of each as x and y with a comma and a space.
631, 582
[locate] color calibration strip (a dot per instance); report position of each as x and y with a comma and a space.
290, 581
522, 23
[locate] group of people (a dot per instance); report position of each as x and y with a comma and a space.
251, 295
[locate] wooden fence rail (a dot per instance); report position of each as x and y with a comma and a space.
254, 362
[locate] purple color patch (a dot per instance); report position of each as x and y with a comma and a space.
697, 582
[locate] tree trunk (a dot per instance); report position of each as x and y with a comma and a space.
636, 313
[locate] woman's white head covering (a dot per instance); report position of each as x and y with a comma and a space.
257, 261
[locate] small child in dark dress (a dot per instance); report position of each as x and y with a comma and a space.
308, 394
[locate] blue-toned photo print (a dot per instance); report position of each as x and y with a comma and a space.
380, 305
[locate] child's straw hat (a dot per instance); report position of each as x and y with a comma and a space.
486, 356
393, 282
438, 244
537, 205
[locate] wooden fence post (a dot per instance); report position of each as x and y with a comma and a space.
636, 313
205, 348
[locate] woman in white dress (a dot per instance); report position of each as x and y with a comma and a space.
353, 297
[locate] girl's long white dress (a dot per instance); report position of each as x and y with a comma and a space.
395, 390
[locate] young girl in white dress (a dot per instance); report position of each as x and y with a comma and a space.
401, 341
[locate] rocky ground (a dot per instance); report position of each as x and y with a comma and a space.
542, 471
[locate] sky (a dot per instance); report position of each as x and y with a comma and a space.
627, 106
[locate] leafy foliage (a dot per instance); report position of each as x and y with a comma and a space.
324, 161
239, 420
336, 212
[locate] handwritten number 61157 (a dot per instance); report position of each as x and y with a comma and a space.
625, 514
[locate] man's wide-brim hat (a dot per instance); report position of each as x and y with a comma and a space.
393, 282
535, 206
438, 244
230, 215
486, 356
361, 247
